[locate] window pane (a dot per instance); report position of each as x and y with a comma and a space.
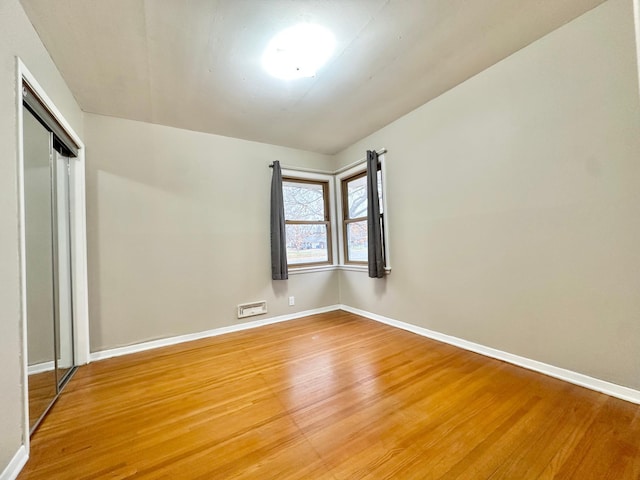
303, 201
307, 244
357, 241
357, 197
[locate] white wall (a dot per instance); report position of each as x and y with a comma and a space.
17, 38
514, 203
178, 232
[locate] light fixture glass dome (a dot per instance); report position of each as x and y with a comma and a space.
298, 51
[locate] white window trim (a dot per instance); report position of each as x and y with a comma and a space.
317, 268
319, 177
341, 175
335, 212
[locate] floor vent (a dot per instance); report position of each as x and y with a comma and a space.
251, 309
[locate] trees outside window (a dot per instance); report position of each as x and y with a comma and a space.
307, 222
354, 216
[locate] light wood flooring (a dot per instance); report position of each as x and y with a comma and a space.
332, 396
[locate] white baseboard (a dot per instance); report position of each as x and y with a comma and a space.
40, 367
16, 464
164, 342
618, 391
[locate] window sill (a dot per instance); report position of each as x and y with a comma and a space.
328, 268
319, 268
360, 268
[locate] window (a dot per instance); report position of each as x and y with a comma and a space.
354, 216
326, 218
307, 221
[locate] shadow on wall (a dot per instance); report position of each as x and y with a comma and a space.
379, 286
280, 288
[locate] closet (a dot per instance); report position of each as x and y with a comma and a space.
47, 153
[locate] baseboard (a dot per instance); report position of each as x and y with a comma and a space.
612, 389
16, 464
164, 342
41, 367
618, 391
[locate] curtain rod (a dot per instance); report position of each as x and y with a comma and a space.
329, 172
303, 169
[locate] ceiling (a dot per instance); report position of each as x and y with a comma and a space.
196, 64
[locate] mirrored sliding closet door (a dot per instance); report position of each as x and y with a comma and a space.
50, 338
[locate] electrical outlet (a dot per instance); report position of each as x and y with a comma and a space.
292, 301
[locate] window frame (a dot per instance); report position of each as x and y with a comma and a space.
346, 219
325, 180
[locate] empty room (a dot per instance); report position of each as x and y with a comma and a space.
320, 239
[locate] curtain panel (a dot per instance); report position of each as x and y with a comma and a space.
279, 270
374, 227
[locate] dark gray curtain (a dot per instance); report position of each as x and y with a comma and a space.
374, 228
279, 269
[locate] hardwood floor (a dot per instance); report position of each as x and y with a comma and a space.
333, 396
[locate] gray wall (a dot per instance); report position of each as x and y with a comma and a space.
178, 232
514, 204
18, 38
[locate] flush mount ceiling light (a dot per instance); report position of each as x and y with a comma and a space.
298, 51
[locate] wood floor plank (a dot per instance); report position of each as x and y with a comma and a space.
332, 396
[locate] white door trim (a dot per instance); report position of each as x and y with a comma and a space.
78, 233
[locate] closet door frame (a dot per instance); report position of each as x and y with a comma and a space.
78, 237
